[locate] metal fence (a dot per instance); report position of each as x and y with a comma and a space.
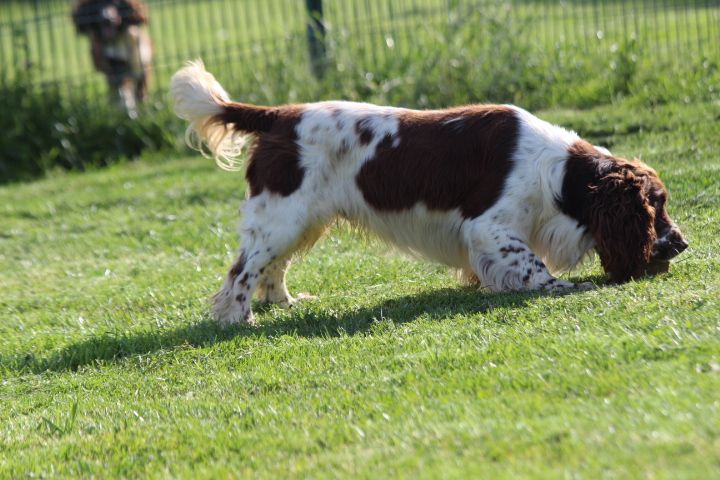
243, 37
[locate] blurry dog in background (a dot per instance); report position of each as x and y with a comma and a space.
120, 46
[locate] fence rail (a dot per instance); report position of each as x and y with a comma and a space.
247, 40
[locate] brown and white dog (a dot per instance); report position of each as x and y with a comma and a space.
488, 189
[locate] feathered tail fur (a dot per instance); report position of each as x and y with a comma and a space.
215, 121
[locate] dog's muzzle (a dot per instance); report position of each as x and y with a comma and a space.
669, 246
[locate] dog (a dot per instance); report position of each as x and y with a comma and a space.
120, 46
491, 190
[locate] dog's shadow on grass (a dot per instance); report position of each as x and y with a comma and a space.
307, 322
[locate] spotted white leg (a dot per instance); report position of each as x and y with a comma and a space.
503, 261
268, 243
267, 240
232, 302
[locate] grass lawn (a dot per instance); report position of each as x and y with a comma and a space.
110, 365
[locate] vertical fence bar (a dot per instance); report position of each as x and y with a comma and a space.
668, 40
53, 49
231, 22
196, 30
5, 50
710, 17
596, 25
73, 43
625, 24
264, 58
582, 34
4, 60
280, 46
636, 22
231, 25
217, 27
36, 64
644, 21
183, 25
678, 32
11, 35
377, 30
212, 26
248, 42
388, 27
370, 34
398, 29
358, 33
160, 53
684, 26
577, 32
264, 35
551, 32
698, 30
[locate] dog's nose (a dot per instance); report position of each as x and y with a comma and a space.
670, 246
677, 241
680, 244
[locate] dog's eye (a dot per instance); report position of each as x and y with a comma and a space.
659, 202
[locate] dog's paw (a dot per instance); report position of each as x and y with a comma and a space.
300, 297
231, 320
583, 286
250, 320
233, 313
564, 286
305, 296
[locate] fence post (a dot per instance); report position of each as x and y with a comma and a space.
316, 37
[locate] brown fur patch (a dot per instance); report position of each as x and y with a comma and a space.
458, 164
250, 118
364, 132
274, 162
238, 266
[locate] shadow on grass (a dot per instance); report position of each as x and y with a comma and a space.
112, 346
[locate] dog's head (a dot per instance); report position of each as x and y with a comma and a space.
629, 219
625, 209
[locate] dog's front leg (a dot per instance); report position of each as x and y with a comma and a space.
503, 261
232, 302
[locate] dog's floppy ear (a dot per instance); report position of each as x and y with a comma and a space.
621, 220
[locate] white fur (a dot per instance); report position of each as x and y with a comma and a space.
537, 181
197, 96
515, 244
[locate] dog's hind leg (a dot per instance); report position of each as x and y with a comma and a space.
272, 228
272, 287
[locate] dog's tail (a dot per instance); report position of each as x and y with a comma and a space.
215, 121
